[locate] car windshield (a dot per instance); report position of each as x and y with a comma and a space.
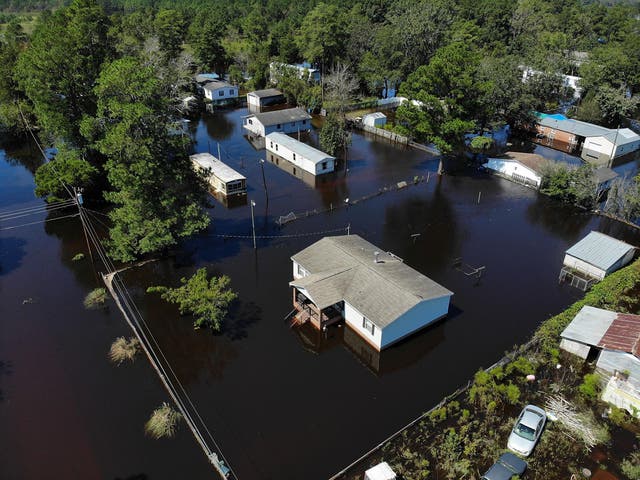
525, 432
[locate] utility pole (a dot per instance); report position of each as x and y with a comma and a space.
253, 224
264, 180
613, 149
79, 201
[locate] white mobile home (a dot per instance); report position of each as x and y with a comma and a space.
306, 157
217, 91
222, 178
380, 297
597, 255
291, 120
377, 119
304, 71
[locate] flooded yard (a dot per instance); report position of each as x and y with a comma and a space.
281, 403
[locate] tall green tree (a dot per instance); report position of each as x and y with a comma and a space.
323, 34
158, 196
170, 28
59, 69
67, 166
13, 103
204, 37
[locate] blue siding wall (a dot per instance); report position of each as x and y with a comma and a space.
418, 317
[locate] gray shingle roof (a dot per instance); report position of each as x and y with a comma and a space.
343, 268
282, 116
600, 250
306, 151
268, 92
216, 85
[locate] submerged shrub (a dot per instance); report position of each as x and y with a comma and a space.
163, 422
95, 298
123, 349
77, 257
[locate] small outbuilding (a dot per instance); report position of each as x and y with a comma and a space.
596, 256
382, 471
290, 120
377, 119
300, 154
613, 340
376, 294
218, 91
222, 178
265, 98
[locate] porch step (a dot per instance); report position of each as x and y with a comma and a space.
300, 318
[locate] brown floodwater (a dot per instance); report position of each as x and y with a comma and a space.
282, 403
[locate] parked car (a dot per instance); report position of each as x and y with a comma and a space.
506, 467
527, 430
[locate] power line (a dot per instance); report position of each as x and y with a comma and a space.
41, 221
295, 235
18, 211
45, 210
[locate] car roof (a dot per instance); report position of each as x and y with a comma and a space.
506, 467
531, 417
517, 464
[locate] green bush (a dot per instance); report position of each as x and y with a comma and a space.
590, 386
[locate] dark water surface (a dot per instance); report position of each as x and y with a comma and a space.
282, 403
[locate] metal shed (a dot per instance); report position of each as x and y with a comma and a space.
594, 257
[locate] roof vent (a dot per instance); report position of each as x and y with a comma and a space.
376, 256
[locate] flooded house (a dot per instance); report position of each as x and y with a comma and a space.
220, 92
613, 340
376, 294
300, 154
223, 180
291, 120
593, 258
265, 98
376, 119
595, 144
523, 168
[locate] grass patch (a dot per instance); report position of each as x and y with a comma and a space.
163, 422
124, 350
95, 298
77, 257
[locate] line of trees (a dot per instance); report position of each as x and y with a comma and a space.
102, 80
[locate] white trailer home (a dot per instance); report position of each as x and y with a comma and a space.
218, 91
300, 154
222, 178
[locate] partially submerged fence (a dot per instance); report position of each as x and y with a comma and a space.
293, 216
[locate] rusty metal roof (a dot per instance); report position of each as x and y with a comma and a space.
623, 334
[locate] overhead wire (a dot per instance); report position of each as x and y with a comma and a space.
40, 221
46, 206
45, 210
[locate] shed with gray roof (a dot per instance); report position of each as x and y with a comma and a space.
290, 120
376, 293
598, 255
265, 98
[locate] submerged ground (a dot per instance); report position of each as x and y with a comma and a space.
281, 403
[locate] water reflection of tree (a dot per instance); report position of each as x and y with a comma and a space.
564, 221
11, 253
23, 153
218, 126
433, 220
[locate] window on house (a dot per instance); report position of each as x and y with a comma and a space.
221, 93
250, 122
368, 325
279, 126
294, 156
231, 92
304, 122
276, 147
294, 170
293, 124
324, 165
271, 144
301, 271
